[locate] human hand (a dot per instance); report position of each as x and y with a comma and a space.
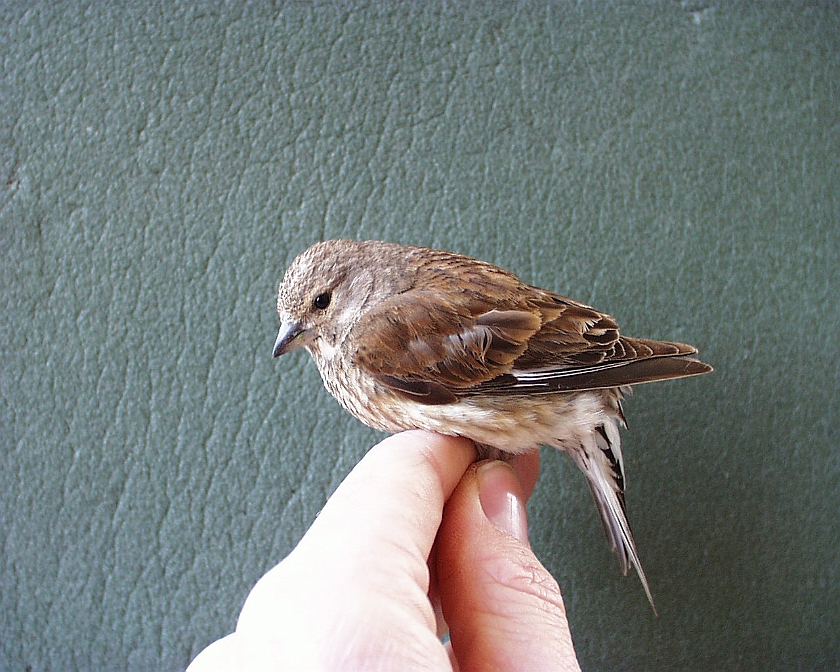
415, 533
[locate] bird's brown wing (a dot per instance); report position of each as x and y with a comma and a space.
434, 349
431, 349
581, 348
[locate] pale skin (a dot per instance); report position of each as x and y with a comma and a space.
416, 539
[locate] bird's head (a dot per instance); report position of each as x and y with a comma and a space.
324, 292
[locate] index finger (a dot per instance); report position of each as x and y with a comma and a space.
362, 566
393, 499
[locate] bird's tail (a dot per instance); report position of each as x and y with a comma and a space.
599, 458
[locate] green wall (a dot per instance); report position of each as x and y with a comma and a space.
673, 163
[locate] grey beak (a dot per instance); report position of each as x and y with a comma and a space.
288, 339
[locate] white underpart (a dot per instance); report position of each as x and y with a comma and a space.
327, 351
559, 421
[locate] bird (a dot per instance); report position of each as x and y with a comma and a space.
408, 337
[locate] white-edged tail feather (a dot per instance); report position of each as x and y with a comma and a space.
599, 458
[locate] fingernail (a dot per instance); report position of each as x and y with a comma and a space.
500, 495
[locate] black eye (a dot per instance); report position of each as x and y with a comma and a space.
322, 300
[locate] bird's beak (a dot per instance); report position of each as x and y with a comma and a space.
290, 337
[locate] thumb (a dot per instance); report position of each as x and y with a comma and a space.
503, 607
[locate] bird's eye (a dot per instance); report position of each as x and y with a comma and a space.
322, 300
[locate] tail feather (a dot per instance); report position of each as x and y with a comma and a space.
599, 458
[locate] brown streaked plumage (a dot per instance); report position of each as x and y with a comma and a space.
409, 337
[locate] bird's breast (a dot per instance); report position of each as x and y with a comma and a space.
512, 424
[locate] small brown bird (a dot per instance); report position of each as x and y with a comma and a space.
409, 337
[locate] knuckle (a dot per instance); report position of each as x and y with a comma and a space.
524, 574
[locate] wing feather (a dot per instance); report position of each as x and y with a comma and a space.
423, 339
469, 333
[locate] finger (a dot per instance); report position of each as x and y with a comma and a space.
527, 468
223, 654
504, 609
361, 572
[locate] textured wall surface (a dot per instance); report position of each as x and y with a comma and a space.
675, 164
